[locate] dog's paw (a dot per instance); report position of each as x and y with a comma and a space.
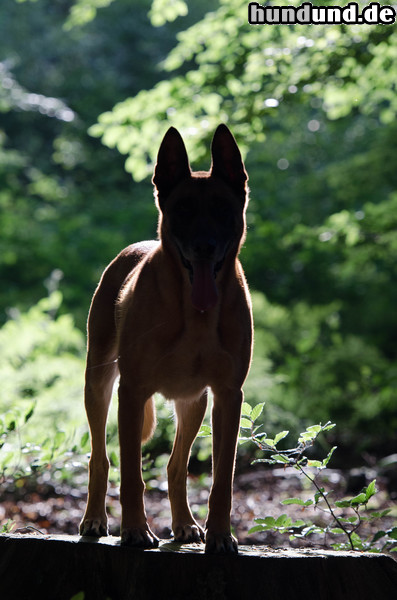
138, 537
220, 543
94, 527
191, 533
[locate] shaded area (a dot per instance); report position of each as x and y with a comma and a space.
63, 567
58, 509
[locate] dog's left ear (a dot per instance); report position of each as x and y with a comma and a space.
172, 164
226, 159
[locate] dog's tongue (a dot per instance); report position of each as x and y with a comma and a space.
204, 292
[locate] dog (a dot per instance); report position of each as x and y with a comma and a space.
174, 316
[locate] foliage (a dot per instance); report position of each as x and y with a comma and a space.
43, 427
340, 522
84, 11
41, 374
167, 10
7, 527
58, 185
313, 109
262, 68
305, 352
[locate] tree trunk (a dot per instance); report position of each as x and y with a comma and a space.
61, 567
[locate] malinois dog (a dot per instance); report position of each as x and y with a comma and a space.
174, 316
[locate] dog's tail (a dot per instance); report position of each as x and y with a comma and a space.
149, 422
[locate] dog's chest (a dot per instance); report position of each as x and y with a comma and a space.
190, 364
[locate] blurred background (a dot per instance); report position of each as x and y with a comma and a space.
87, 90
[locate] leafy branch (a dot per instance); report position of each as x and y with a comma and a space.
296, 458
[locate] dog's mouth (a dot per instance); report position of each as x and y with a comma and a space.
202, 274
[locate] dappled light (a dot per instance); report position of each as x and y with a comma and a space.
87, 90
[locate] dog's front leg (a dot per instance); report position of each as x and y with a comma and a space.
189, 415
134, 528
225, 427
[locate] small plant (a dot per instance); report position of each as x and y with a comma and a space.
41, 372
7, 527
11, 454
341, 522
20, 459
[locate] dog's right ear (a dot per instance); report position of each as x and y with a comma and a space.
226, 160
172, 164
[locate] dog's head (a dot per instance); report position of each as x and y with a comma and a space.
202, 214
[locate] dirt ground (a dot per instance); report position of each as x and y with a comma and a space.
258, 492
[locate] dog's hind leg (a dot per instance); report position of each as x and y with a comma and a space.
100, 375
190, 415
98, 392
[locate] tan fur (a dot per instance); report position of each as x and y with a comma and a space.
156, 320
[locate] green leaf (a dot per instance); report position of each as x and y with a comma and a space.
266, 520
11, 425
370, 490
320, 495
8, 526
298, 524
205, 431
359, 499
348, 519
246, 409
312, 529
392, 533
314, 429
328, 426
312, 432
380, 514
280, 458
245, 423
243, 439
59, 439
342, 503
378, 535
85, 438
283, 521
337, 531
357, 541
329, 456
257, 528
78, 596
317, 464
280, 436
257, 410
30, 411
114, 459
297, 501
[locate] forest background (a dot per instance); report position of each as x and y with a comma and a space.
87, 90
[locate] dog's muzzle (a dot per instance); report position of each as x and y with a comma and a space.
202, 274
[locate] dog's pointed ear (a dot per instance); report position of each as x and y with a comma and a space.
172, 163
226, 159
